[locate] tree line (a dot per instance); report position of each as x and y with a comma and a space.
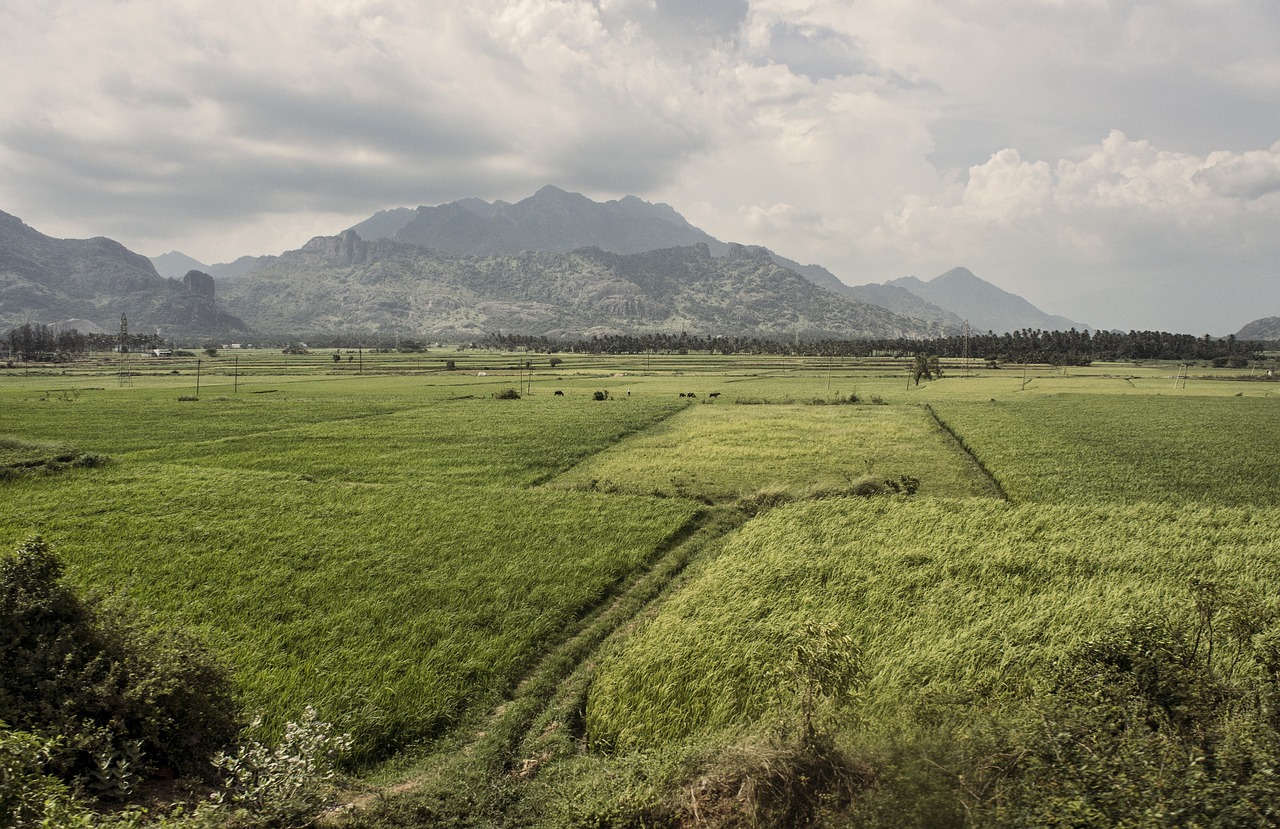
1070, 347
33, 341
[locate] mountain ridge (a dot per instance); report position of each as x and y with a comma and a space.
43, 279
553, 219
335, 282
986, 306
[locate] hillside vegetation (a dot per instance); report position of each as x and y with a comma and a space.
334, 283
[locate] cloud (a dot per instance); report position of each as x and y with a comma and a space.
1151, 226
211, 112
877, 138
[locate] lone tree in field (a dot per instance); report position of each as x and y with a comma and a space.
927, 366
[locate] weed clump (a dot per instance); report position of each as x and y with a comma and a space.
768, 782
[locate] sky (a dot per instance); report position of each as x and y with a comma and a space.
1113, 161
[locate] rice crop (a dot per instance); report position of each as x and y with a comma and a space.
726, 452
1129, 449
395, 610
954, 603
369, 546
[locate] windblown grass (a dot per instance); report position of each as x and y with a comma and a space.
395, 610
954, 603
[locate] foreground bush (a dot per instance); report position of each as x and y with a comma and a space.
114, 700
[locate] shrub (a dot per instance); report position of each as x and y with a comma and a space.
28, 796
507, 394
600, 395
766, 782
287, 784
117, 694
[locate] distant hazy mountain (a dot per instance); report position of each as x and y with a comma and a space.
901, 301
986, 307
44, 280
558, 221
173, 265
346, 283
555, 220
1267, 328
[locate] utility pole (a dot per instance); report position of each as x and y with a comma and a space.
198, 377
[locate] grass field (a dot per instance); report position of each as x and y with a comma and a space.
383, 538
727, 452
954, 603
1085, 448
369, 546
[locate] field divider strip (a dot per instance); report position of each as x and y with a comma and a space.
556, 686
946, 427
547, 478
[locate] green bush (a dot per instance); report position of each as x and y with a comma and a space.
119, 696
28, 796
287, 784
1161, 721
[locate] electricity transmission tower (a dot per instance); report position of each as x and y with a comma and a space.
125, 378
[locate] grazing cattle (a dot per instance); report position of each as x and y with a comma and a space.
714, 394
682, 394
691, 394
559, 393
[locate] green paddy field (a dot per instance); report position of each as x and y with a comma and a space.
569, 609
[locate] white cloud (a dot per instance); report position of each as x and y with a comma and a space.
877, 138
1151, 226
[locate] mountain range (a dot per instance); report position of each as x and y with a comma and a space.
47, 280
344, 282
553, 263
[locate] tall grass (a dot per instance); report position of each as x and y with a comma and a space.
725, 452
954, 603
369, 547
395, 610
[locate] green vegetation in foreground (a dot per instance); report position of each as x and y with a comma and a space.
955, 603
1083, 449
394, 610
726, 452
366, 547
374, 541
